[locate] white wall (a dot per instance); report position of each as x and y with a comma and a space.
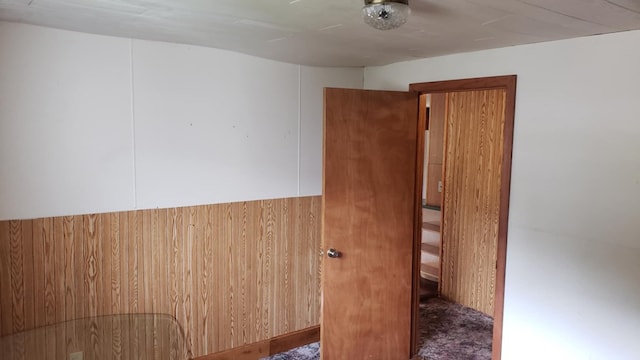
314, 79
92, 124
65, 125
573, 258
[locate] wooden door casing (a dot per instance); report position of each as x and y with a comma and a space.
508, 84
370, 154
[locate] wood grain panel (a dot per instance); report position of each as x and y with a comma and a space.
471, 213
230, 274
6, 312
370, 152
436, 128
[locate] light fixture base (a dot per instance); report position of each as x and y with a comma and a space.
385, 14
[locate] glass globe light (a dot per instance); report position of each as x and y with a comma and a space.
385, 14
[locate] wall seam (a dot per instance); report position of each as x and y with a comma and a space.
299, 123
133, 126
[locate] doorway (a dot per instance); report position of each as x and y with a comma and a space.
475, 179
432, 186
371, 217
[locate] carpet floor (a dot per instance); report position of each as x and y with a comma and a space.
448, 332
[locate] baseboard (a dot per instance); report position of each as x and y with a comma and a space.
294, 340
268, 347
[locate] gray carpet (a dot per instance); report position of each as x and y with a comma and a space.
448, 332
308, 352
452, 331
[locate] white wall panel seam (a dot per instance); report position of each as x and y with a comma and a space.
299, 124
133, 126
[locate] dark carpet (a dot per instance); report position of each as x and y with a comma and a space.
448, 332
452, 331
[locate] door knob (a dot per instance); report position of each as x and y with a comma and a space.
333, 253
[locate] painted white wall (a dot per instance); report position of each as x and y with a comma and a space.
93, 124
314, 79
573, 258
65, 124
212, 126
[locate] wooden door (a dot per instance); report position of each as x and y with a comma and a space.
474, 147
370, 148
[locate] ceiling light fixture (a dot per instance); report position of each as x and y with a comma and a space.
385, 14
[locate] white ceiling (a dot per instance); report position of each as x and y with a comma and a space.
331, 32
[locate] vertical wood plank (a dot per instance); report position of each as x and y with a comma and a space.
29, 297
115, 284
47, 249
69, 281
176, 273
6, 326
187, 279
106, 265
198, 223
38, 272
252, 233
59, 286
17, 276
16, 290
49, 271
163, 262
473, 163
226, 272
79, 279
133, 280
145, 297
268, 271
153, 340
206, 282
91, 263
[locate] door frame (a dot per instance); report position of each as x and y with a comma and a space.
508, 83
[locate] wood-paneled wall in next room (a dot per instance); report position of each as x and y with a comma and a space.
231, 274
474, 133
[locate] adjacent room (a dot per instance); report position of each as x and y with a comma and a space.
242, 179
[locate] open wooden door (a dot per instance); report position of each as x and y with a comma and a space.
370, 149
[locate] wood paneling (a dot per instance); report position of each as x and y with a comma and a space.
471, 213
231, 274
436, 128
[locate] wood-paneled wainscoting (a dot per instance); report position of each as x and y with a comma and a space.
230, 274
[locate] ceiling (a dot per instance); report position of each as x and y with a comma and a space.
331, 32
